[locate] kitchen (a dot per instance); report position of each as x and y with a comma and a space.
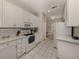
39, 29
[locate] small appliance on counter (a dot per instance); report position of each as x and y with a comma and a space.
18, 33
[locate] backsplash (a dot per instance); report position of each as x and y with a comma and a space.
8, 32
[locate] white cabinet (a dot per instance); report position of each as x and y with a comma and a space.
23, 45
72, 13
19, 52
1, 6
15, 49
12, 15
20, 47
61, 29
8, 51
67, 50
29, 46
25, 16
8, 14
19, 16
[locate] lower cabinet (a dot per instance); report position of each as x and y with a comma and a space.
8, 51
15, 49
23, 45
20, 47
67, 50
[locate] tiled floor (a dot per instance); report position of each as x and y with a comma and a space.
44, 50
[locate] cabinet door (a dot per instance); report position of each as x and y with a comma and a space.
27, 44
7, 52
23, 45
67, 50
4, 52
19, 48
19, 51
19, 16
8, 14
12, 48
1, 6
13, 15
26, 17
73, 12
12, 52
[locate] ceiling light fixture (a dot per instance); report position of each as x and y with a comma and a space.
49, 11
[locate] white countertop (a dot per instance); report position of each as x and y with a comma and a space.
66, 39
2, 41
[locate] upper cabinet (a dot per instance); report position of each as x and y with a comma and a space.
12, 15
72, 13
8, 14
1, 1
19, 16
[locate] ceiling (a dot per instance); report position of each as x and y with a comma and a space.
45, 5
39, 6
59, 10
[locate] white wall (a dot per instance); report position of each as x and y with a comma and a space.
61, 29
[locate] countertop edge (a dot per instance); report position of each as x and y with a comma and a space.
68, 39
11, 39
